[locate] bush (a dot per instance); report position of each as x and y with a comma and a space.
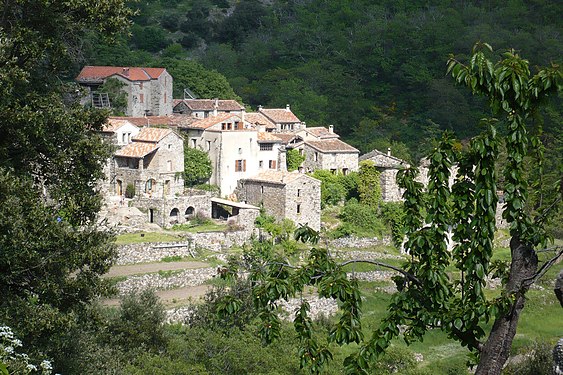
130, 191
361, 220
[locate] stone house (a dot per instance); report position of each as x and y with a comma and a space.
283, 118
284, 195
329, 154
119, 131
258, 120
149, 90
203, 108
153, 163
236, 149
388, 165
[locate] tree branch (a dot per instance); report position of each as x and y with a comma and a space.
543, 269
542, 216
408, 275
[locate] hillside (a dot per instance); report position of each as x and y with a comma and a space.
375, 71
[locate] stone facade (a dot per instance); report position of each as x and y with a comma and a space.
236, 149
285, 195
153, 163
167, 211
388, 166
332, 154
203, 108
149, 90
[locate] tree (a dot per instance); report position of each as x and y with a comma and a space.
294, 159
197, 166
369, 184
52, 252
428, 295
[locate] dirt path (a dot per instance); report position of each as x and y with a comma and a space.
136, 269
171, 297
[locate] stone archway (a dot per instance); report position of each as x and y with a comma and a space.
190, 211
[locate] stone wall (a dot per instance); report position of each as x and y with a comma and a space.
187, 206
303, 202
390, 191
154, 252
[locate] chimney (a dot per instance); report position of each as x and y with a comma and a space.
259, 108
242, 113
125, 71
388, 151
331, 129
287, 107
261, 128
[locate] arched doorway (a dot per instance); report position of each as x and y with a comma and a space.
189, 213
174, 215
150, 185
119, 188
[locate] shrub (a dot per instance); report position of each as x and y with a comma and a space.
294, 159
129, 191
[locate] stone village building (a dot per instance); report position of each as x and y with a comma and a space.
283, 194
388, 166
203, 108
148, 90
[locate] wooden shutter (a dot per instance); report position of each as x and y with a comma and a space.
244, 165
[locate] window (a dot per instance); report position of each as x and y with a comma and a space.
261, 164
298, 192
150, 185
208, 145
298, 208
272, 164
345, 171
169, 146
169, 165
194, 142
240, 165
316, 156
141, 86
223, 126
237, 125
123, 137
266, 146
262, 189
142, 98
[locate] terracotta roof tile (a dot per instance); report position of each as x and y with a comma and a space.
257, 118
280, 115
136, 150
209, 104
172, 120
265, 137
285, 137
114, 124
212, 120
332, 145
321, 132
96, 74
153, 135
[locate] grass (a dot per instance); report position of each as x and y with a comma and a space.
197, 228
142, 237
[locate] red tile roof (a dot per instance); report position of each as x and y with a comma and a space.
136, 150
209, 104
172, 120
265, 137
257, 118
280, 115
332, 145
286, 137
114, 124
152, 135
212, 120
321, 132
97, 74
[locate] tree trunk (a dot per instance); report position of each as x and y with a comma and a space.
496, 350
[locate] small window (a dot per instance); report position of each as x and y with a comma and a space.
261, 164
142, 98
240, 165
266, 146
298, 208
316, 156
194, 142
223, 126
272, 164
169, 146
262, 189
345, 171
298, 192
169, 165
208, 145
123, 137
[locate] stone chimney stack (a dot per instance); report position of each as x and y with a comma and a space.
388, 151
331, 129
287, 107
259, 108
215, 106
126, 72
242, 113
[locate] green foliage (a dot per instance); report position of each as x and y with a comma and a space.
117, 96
140, 323
369, 184
393, 214
360, 220
335, 188
197, 166
130, 191
538, 360
294, 159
